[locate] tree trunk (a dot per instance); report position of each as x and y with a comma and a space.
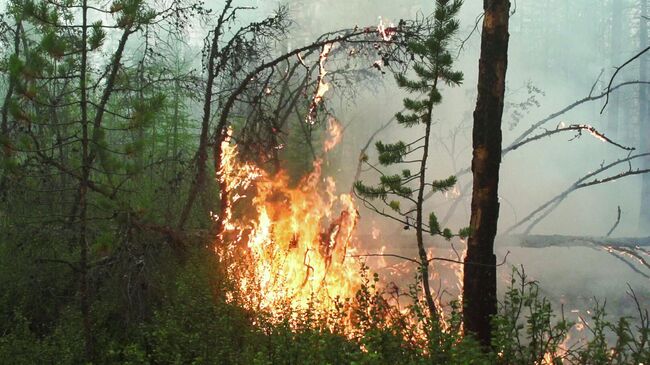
4, 122
84, 296
644, 121
424, 258
198, 184
479, 283
613, 114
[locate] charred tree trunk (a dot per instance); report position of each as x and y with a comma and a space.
479, 282
644, 120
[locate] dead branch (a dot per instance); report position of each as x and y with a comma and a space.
362, 153
618, 220
573, 127
618, 69
573, 105
515, 145
630, 252
628, 264
583, 182
543, 241
432, 259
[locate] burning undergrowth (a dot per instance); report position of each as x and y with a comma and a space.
286, 245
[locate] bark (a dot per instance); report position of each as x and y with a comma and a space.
4, 123
615, 44
424, 258
202, 152
83, 191
542, 241
479, 282
644, 121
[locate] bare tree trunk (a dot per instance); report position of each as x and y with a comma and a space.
644, 120
479, 287
615, 49
202, 153
424, 258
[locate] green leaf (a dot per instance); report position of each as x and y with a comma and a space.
393, 182
411, 86
408, 120
97, 36
417, 106
434, 226
394, 205
370, 192
465, 232
391, 153
443, 185
53, 45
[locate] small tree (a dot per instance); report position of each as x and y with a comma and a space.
434, 64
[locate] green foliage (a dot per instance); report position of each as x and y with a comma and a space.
433, 63
391, 153
53, 45
370, 191
395, 184
527, 330
394, 205
97, 36
155, 300
444, 185
192, 322
434, 226
464, 232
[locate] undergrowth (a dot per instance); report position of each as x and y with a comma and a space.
193, 323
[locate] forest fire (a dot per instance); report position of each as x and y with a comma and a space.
286, 247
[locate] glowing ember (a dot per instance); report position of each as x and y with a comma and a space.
386, 32
594, 132
286, 247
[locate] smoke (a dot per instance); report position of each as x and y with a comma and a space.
559, 51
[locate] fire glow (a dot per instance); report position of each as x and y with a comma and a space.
286, 247
322, 87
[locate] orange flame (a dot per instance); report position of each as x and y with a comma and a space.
322, 87
386, 32
336, 134
286, 246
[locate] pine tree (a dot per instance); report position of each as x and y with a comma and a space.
433, 66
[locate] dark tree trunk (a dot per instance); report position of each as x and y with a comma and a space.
479, 283
644, 120
4, 122
613, 114
213, 70
424, 258
84, 296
